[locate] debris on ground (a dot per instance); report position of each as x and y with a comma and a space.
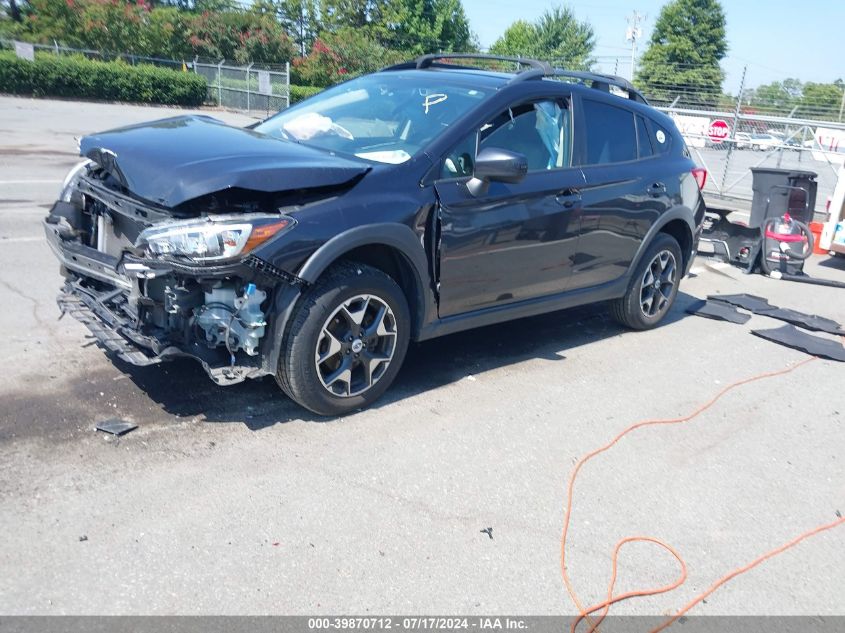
488, 532
116, 426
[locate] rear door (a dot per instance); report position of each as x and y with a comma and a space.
514, 241
624, 193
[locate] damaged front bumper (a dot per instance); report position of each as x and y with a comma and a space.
118, 335
145, 311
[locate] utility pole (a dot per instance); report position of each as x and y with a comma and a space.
737, 112
842, 105
633, 35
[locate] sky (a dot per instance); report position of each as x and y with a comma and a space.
775, 39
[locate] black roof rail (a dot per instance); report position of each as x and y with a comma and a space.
428, 61
535, 69
597, 80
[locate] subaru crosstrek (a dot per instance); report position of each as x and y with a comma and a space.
425, 199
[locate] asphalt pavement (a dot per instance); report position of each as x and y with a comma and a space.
236, 501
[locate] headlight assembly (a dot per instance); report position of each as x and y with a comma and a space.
212, 239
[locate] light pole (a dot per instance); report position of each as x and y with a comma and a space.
633, 34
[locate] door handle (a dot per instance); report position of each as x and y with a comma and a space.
656, 189
568, 197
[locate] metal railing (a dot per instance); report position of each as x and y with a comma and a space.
129, 58
756, 140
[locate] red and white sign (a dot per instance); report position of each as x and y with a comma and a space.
719, 130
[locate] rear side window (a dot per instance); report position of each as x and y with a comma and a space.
611, 134
644, 146
661, 139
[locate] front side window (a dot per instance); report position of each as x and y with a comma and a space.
611, 136
540, 131
386, 117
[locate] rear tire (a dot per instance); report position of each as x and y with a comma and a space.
346, 341
653, 286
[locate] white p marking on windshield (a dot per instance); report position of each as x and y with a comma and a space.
434, 99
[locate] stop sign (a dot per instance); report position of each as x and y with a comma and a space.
718, 131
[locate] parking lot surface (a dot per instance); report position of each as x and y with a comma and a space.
236, 501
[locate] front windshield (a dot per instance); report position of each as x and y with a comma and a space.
387, 117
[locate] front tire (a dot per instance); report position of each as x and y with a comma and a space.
346, 341
653, 286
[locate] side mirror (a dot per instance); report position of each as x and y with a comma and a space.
496, 164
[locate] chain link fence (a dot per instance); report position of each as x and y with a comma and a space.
255, 88
730, 144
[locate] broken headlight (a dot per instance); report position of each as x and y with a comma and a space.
212, 239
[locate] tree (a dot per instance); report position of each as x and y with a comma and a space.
241, 36
338, 14
778, 96
683, 55
810, 100
14, 11
557, 36
425, 26
821, 101
300, 18
520, 38
341, 55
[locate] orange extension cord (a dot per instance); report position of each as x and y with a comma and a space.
604, 606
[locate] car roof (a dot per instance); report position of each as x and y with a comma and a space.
533, 70
469, 77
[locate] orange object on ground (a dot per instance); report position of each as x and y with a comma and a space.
816, 229
604, 606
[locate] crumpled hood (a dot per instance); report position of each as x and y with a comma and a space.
174, 160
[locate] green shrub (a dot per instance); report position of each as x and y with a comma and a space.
81, 78
298, 93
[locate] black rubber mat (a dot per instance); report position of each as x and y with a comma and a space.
791, 336
806, 321
759, 305
749, 302
718, 310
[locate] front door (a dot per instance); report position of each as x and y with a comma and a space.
512, 242
624, 193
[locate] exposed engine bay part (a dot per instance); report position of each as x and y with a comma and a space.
235, 322
99, 311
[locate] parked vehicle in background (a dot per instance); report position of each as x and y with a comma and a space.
762, 142
418, 201
743, 140
792, 143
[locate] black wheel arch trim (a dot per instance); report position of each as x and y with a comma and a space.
397, 236
675, 213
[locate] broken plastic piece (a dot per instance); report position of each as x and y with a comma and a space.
116, 426
791, 336
718, 310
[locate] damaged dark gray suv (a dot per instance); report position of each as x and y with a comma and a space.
419, 201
